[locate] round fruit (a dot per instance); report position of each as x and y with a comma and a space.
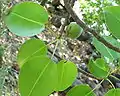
73, 30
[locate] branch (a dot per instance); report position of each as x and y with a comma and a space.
43, 2
83, 25
63, 26
79, 69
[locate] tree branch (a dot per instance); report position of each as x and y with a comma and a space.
86, 28
43, 2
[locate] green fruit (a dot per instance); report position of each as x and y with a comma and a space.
74, 30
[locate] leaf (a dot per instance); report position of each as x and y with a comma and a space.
113, 92
98, 68
67, 72
31, 48
105, 51
27, 19
113, 41
38, 77
112, 19
81, 90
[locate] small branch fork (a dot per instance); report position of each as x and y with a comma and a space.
86, 28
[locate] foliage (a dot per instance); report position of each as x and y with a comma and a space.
98, 68
27, 23
113, 92
29, 49
93, 13
65, 79
106, 52
39, 74
112, 19
82, 89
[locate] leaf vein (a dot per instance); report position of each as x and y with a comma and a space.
27, 19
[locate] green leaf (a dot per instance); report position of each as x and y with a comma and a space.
113, 92
67, 72
105, 51
27, 19
31, 48
113, 41
98, 68
112, 18
38, 77
81, 90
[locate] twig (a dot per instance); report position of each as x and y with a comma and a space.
55, 49
88, 74
55, 55
95, 88
79, 69
43, 2
63, 26
116, 78
111, 83
83, 25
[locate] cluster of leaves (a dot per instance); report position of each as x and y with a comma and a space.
39, 74
92, 12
